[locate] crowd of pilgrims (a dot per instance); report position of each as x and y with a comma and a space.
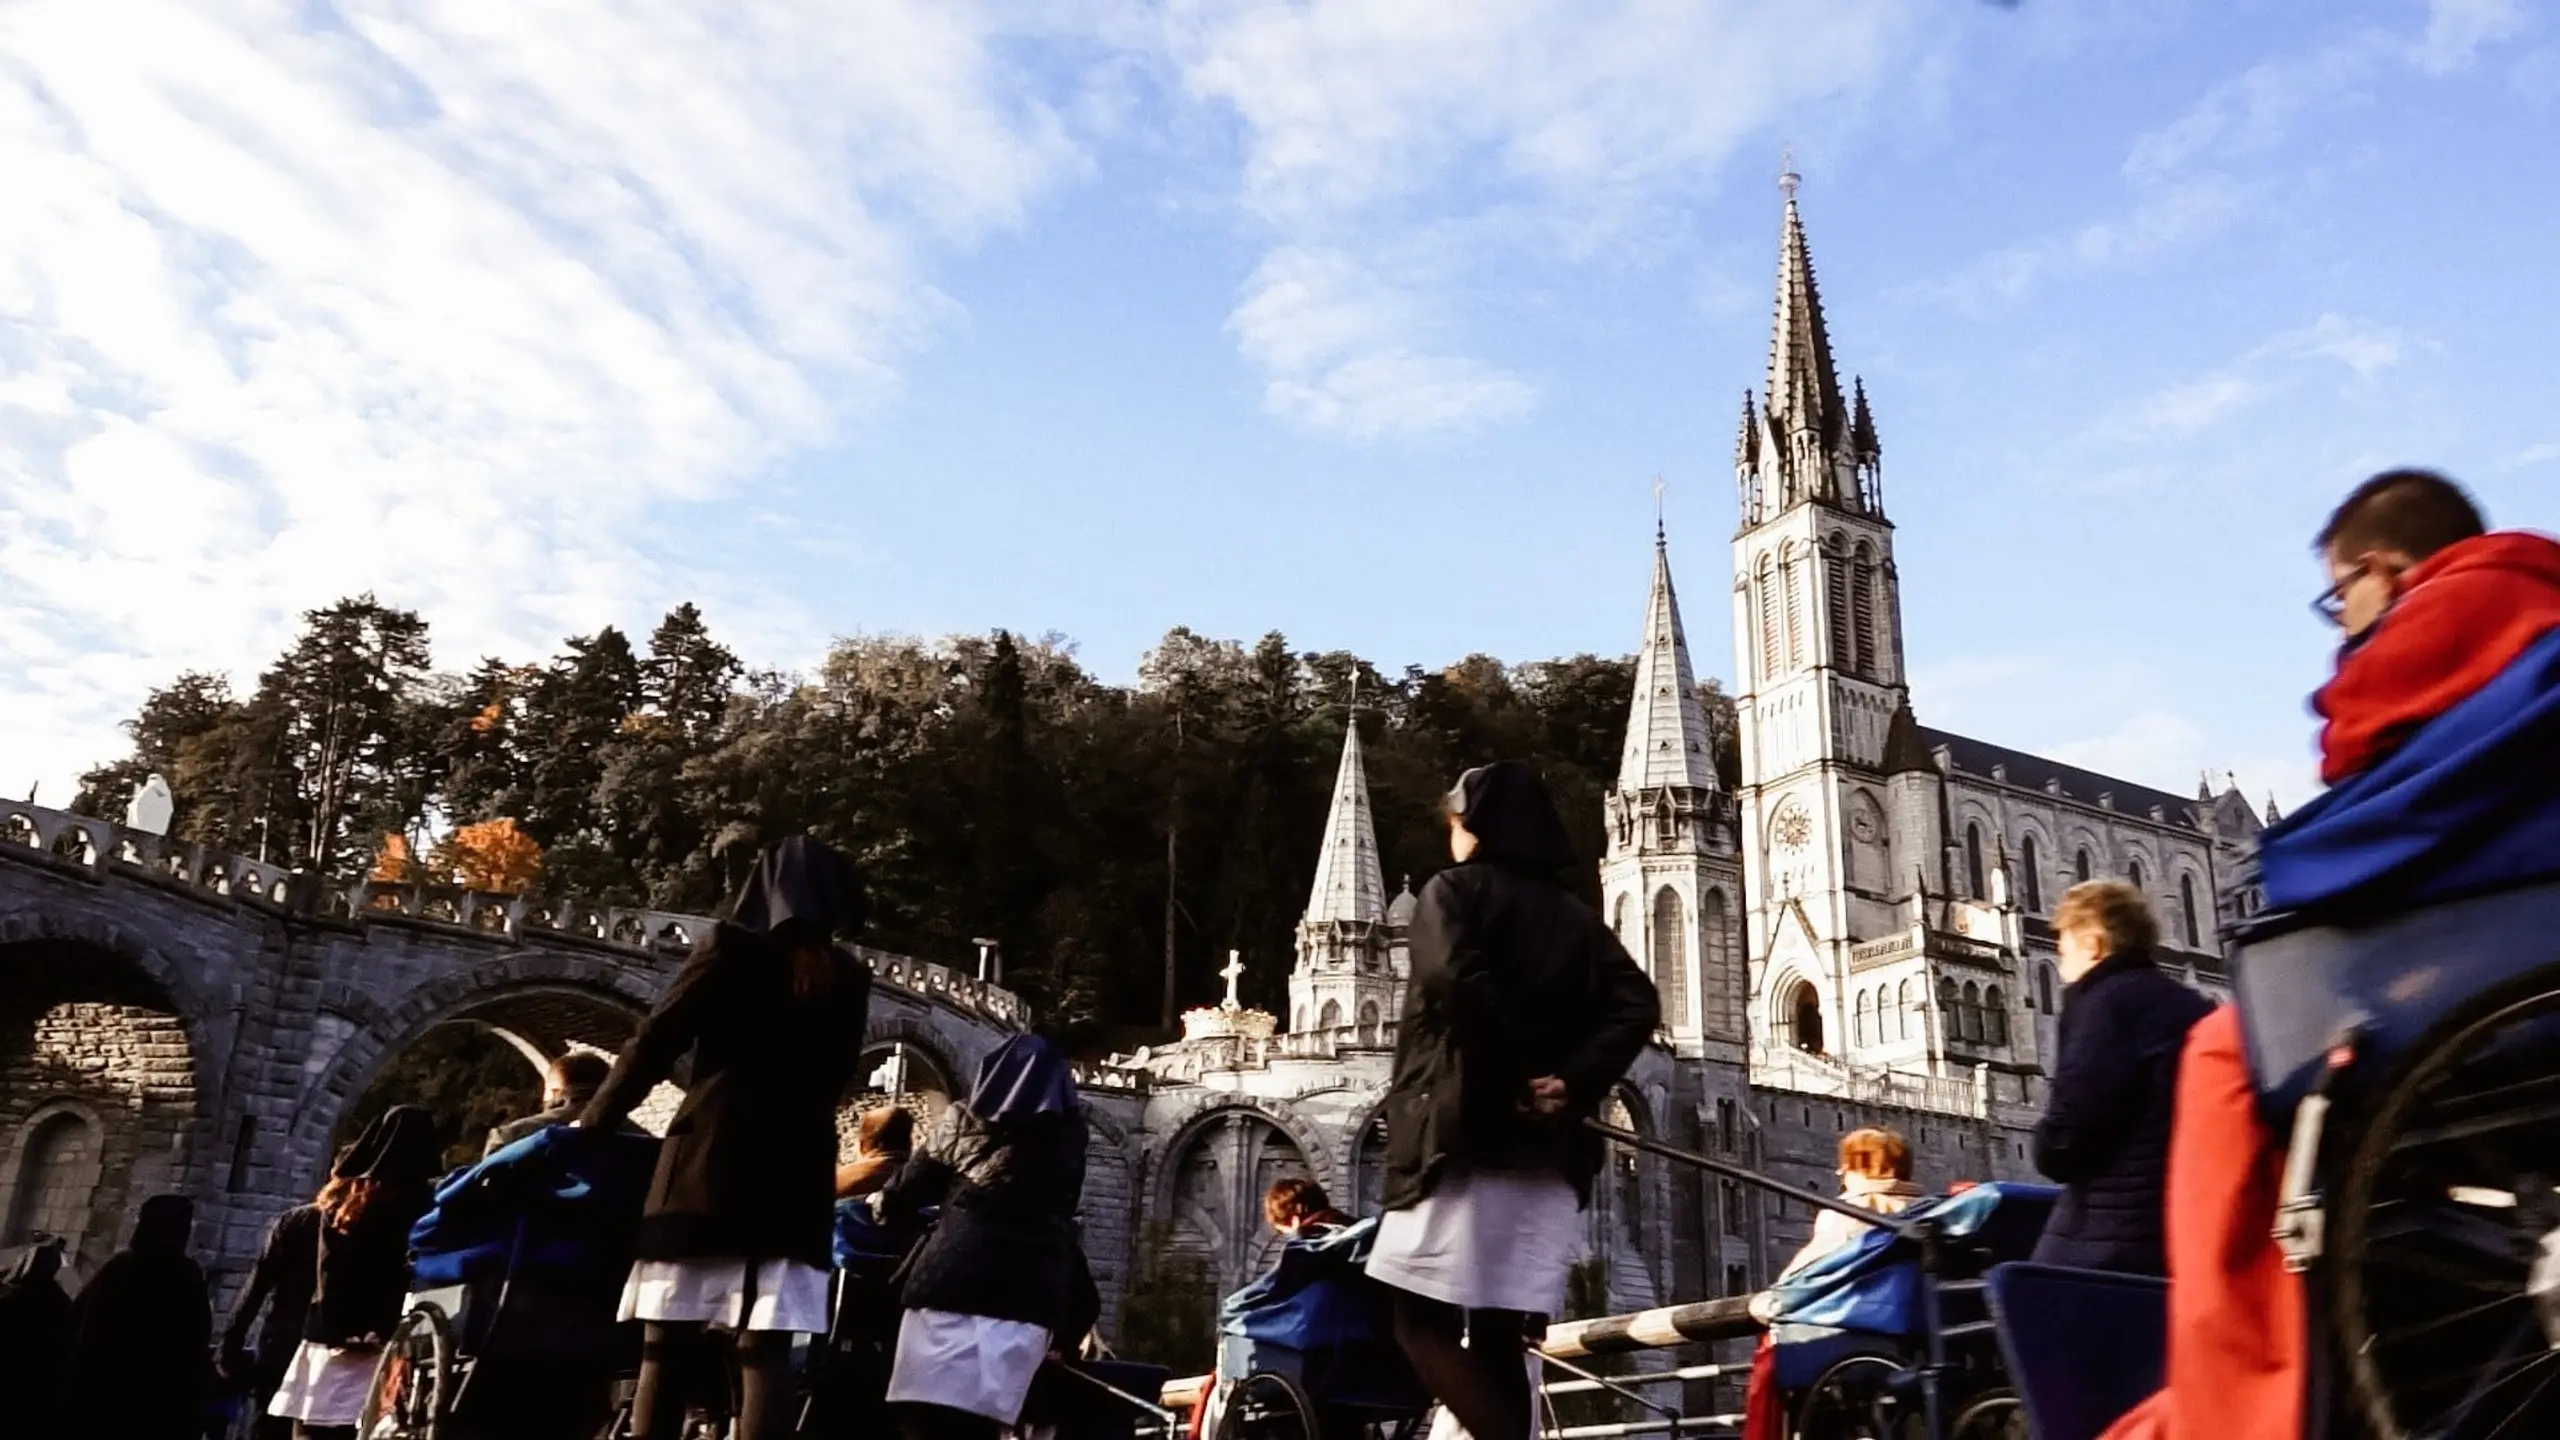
731, 1262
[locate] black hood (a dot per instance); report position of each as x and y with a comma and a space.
1506, 807
804, 885
399, 1148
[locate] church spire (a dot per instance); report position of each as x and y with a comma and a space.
1349, 883
1666, 729
1804, 390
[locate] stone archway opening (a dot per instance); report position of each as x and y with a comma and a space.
1804, 1015
98, 1096
483, 1065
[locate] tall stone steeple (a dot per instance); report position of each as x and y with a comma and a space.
1670, 883
1804, 444
1350, 949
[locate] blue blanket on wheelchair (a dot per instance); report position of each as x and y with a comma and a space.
1318, 1318
560, 1201
2468, 804
1872, 1284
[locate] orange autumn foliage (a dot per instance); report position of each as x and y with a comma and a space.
393, 864
492, 855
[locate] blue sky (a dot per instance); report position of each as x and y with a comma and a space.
1368, 322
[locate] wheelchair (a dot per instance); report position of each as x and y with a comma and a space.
1893, 1335
516, 1276
1308, 1351
2410, 1066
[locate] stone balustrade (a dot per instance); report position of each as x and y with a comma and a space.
106, 849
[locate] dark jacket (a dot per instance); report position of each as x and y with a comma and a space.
1006, 1245
1513, 979
35, 1335
2105, 1132
140, 1360
748, 1167
280, 1285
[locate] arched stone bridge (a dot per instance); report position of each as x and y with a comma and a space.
174, 1018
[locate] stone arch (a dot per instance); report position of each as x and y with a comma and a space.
1619, 910
2031, 853
1975, 886
1906, 1000
1211, 1183
106, 1065
372, 1037
1863, 1019
52, 1169
926, 1072
1798, 1020
2190, 911
1670, 956
1365, 1164
1969, 1013
1995, 1016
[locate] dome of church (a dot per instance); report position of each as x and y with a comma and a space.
1400, 909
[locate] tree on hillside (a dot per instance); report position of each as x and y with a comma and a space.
351, 751
491, 855
169, 740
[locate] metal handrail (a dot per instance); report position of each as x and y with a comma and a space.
1749, 1176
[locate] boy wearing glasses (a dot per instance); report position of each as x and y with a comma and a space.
2433, 606
2438, 611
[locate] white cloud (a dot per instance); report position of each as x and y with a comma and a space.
1373, 128
440, 300
2189, 407
2456, 29
2540, 453
2193, 405
1330, 335
2168, 751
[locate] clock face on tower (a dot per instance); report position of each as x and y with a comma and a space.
1792, 829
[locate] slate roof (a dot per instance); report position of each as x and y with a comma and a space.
2032, 772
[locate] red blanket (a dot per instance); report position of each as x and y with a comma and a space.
2238, 1350
2463, 615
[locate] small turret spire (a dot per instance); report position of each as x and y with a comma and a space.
1350, 884
1803, 389
1666, 730
1862, 424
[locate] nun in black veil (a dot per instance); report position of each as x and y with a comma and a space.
1521, 1012
741, 1210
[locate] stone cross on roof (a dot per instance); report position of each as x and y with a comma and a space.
1234, 971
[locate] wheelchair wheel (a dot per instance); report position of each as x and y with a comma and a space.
1850, 1401
2446, 1253
1269, 1406
1999, 1415
412, 1379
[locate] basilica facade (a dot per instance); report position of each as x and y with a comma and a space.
1855, 934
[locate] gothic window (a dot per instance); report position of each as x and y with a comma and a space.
1715, 955
1770, 642
2028, 872
1670, 957
1858, 1023
1331, 1015
1298, 1020
57, 1179
1973, 862
2044, 988
1995, 1015
2133, 872
1948, 1001
1903, 1006
1791, 573
1835, 569
1618, 924
1969, 1013
1368, 1013
2080, 866
2187, 910
1804, 1007
1864, 611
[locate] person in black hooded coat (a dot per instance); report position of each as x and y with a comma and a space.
1521, 1011
141, 1355
376, 1191
741, 1211
35, 1334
